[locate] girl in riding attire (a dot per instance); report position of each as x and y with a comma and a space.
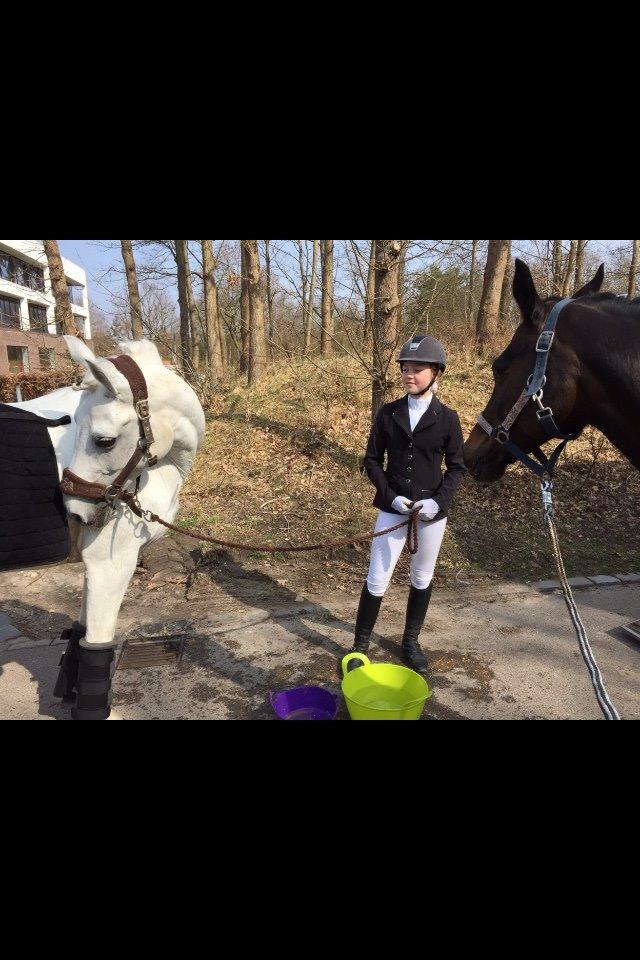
416, 433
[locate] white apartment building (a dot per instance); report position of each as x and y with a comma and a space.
29, 340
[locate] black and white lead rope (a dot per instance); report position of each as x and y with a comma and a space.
604, 701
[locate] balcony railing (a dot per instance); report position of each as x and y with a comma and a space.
22, 273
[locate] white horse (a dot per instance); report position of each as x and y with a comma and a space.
96, 447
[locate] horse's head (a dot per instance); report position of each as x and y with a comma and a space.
487, 459
108, 429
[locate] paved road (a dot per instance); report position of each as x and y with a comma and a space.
502, 653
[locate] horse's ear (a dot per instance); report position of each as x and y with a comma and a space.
594, 286
79, 351
111, 379
98, 371
525, 293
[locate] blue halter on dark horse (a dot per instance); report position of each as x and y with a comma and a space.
33, 520
534, 391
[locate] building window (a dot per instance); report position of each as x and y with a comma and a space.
10, 313
5, 267
47, 358
20, 272
34, 277
38, 317
76, 294
18, 359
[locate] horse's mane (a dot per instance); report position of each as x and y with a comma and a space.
144, 352
614, 303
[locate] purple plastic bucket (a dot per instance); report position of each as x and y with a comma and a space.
305, 703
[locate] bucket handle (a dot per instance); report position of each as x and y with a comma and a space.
354, 656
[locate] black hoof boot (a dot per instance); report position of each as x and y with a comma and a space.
417, 608
93, 701
65, 687
367, 617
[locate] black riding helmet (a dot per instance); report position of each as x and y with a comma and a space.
424, 349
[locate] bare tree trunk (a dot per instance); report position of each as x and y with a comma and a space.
487, 325
401, 284
472, 278
194, 318
369, 305
267, 258
327, 299
580, 263
505, 296
182, 260
303, 261
63, 313
308, 323
258, 352
633, 272
134, 292
245, 311
385, 319
570, 269
211, 309
557, 267
223, 341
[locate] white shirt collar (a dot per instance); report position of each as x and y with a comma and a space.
420, 403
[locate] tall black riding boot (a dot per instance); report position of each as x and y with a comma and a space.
94, 685
66, 683
416, 615
367, 617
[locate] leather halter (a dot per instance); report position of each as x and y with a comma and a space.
74, 486
535, 391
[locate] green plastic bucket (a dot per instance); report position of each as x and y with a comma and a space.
379, 691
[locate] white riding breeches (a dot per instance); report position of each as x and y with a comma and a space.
386, 552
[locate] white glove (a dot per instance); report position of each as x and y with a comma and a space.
429, 509
402, 505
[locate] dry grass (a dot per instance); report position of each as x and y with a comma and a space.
280, 465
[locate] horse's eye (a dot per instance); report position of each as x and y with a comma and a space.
106, 443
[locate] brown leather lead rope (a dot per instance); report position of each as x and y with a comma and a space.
412, 533
74, 486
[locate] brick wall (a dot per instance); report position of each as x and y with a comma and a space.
34, 341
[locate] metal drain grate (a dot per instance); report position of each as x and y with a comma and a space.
138, 654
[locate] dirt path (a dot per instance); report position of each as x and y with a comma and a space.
497, 651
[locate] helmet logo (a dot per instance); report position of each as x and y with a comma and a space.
414, 346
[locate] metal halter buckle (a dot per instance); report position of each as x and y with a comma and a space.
544, 413
142, 409
502, 436
111, 495
545, 341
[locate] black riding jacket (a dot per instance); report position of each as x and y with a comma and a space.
414, 459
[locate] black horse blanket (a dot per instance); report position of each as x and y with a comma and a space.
33, 522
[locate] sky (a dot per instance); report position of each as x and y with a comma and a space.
96, 260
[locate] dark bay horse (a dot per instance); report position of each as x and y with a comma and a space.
593, 376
